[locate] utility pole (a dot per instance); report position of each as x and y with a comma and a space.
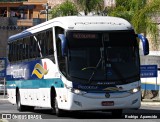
46, 10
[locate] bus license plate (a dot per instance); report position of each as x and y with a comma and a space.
107, 103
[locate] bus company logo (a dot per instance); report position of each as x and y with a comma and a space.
39, 70
87, 87
18, 72
107, 95
113, 89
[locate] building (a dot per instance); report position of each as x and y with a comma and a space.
109, 3
22, 12
17, 15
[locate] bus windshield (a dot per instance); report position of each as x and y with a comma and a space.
103, 56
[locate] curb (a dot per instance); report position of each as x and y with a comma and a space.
152, 103
3, 100
4, 120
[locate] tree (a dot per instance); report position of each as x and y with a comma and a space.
90, 5
140, 13
67, 8
70, 8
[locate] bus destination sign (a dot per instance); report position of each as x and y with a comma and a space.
85, 36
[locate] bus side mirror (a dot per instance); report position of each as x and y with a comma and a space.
63, 44
145, 44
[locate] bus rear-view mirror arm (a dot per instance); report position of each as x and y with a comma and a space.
63, 44
145, 44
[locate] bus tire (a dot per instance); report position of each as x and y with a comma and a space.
53, 98
18, 101
54, 104
21, 107
58, 112
117, 113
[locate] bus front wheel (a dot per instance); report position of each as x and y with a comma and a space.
54, 103
58, 112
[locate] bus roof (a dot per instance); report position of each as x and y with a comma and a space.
93, 23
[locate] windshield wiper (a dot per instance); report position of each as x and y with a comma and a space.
89, 81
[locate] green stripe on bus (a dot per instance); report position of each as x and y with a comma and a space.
34, 84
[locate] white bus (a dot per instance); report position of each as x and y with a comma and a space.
76, 63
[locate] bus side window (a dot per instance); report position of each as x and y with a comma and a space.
16, 51
41, 43
27, 48
50, 43
37, 44
24, 56
31, 55
61, 59
10, 53
50, 38
35, 47
27, 51
21, 51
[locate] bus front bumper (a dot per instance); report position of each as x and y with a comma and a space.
99, 101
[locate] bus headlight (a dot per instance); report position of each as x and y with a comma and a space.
134, 90
75, 91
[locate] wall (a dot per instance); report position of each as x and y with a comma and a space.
7, 28
4, 34
4, 21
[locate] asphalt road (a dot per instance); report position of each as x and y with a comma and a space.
147, 111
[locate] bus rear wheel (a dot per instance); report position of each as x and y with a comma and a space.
18, 101
21, 107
